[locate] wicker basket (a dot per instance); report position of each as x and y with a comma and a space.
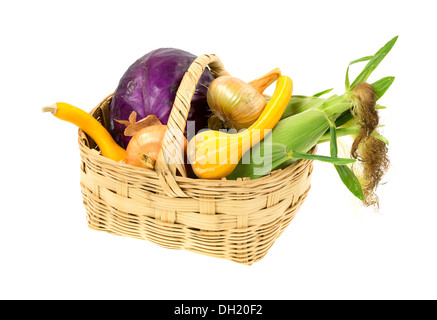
235, 220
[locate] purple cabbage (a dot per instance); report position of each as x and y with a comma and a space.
149, 87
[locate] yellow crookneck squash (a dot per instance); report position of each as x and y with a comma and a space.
107, 145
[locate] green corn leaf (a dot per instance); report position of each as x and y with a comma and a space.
347, 83
335, 102
299, 103
333, 110
308, 156
344, 118
381, 86
361, 60
374, 62
340, 132
378, 136
349, 179
333, 133
322, 93
346, 131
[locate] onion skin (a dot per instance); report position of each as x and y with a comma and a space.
234, 102
143, 149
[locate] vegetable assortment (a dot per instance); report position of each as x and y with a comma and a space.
239, 131
215, 154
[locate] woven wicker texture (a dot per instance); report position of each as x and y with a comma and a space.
170, 160
235, 220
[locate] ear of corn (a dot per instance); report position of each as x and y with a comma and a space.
308, 121
290, 140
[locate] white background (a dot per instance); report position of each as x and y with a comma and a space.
334, 249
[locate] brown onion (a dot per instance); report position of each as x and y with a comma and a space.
143, 149
235, 103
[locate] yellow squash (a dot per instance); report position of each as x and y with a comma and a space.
215, 154
107, 145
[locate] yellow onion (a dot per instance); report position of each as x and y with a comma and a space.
236, 104
143, 148
146, 142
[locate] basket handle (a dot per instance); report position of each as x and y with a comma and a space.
171, 157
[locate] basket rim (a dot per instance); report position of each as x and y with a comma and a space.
210, 182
